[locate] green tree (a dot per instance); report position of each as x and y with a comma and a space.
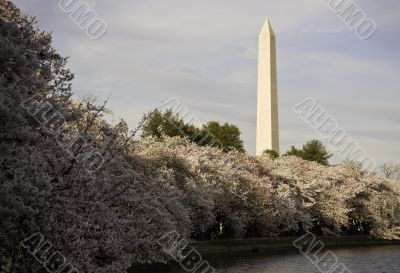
313, 150
167, 123
294, 152
270, 153
226, 136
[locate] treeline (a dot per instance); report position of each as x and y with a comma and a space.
158, 124
103, 199
234, 195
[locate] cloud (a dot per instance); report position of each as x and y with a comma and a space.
205, 54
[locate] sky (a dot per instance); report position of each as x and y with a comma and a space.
204, 53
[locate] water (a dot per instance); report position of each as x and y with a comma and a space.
382, 259
376, 259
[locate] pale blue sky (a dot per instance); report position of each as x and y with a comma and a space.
205, 54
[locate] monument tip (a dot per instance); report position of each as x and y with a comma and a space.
267, 29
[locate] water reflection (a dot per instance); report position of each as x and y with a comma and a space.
378, 259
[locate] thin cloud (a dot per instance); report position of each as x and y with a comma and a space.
205, 53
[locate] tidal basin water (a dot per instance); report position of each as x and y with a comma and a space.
374, 259
382, 259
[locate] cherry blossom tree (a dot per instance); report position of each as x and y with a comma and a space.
103, 198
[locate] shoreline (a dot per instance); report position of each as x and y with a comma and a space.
281, 244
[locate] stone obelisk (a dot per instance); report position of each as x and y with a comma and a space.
267, 97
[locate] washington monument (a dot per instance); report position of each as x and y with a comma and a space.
267, 97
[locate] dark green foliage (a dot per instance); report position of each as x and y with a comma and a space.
294, 152
313, 150
271, 153
169, 124
226, 136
